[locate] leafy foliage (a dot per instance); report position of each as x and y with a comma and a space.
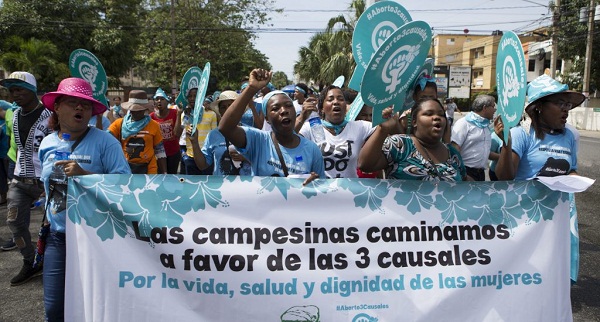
143, 35
572, 40
329, 54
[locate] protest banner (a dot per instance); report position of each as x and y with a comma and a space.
213, 248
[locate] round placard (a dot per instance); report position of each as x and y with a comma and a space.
84, 64
511, 79
373, 27
199, 104
394, 67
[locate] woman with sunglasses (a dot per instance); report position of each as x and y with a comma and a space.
541, 145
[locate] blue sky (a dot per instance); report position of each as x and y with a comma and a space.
301, 19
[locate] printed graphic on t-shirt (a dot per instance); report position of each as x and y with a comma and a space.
336, 158
554, 167
134, 147
166, 130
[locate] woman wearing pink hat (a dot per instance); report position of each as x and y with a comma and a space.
92, 151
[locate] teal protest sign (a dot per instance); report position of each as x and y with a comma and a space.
180, 100
394, 67
339, 82
426, 71
190, 80
83, 64
355, 108
511, 78
199, 104
373, 27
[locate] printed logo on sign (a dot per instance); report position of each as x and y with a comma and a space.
308, 313
511, 83
363, 317
89, 73
397, 65
193, 83
381, 32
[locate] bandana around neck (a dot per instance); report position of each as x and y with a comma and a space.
130, 127
480, 122
336, 127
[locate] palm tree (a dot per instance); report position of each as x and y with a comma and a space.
35, 56
329, 54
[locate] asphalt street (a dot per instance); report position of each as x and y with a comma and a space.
25, 302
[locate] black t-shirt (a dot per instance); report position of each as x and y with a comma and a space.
26, 121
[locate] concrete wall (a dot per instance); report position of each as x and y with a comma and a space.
585, 118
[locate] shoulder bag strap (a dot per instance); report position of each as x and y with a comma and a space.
278, 149
79, 139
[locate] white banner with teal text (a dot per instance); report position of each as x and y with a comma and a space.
211, 248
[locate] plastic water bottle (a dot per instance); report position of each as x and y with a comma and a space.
40, 202
316, 128
63, 152
186, 121
232, 149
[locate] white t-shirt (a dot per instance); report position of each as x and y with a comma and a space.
340, 152
474, 142
298, 107
450, 108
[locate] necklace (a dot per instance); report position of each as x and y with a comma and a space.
433, 172
35, 109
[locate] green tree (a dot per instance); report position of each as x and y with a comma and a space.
204, 31
107, 28
280, 79
572, 40
35, 56
329, 54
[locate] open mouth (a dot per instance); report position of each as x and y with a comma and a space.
286, 121
78, 117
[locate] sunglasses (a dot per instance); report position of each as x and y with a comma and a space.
562, 104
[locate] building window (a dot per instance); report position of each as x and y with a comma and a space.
531, 67
450, 41
478, 52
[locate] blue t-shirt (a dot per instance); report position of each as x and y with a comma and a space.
105, 121
247, 118
261, 152
98, 152
213, 149
549, 153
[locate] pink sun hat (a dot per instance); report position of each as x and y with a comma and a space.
74, 87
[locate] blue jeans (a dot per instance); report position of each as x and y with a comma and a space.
192, 169
20, 197
54, 276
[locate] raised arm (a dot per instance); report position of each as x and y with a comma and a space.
508, 161
259, 118
371, 158
309, 106
199, 158
229, 121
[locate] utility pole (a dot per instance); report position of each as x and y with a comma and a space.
588, 50
554, 54
173, 62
